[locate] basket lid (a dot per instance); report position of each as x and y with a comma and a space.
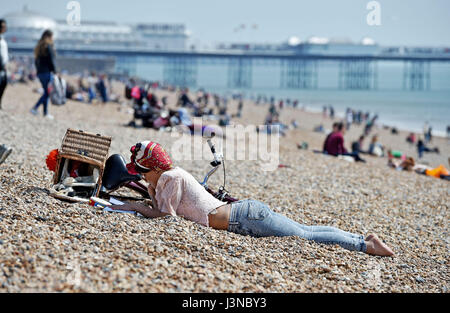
85, 144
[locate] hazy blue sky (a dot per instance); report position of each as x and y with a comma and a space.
407, 22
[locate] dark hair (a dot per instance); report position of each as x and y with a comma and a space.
46, 34
340, 126
2, 21
44, 42
139, 169
362, 137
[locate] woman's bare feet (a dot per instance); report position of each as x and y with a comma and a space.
376, 247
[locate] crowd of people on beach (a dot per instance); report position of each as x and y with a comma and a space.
93, 88
334, 142
402, 162
334, 145
150, 111
154, 114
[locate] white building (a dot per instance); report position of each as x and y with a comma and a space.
26, 27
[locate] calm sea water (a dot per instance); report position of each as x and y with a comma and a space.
395, 106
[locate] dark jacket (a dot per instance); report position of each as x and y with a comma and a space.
335, 144
325, 143
46, 62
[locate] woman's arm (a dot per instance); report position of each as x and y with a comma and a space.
51, 53
152, 193
140, 208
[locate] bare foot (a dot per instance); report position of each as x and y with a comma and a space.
370, 236
376, 247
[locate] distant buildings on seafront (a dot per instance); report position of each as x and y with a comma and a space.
332, 46
162, 51
26, 27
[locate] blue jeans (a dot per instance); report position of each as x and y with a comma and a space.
92, 94
44, 78
254, 218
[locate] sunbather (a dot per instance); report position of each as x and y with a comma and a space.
438, 172
334, 144
176, 192
421, 148
376, 148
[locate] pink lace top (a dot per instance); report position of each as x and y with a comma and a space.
179, 193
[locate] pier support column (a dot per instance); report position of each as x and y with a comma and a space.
416, 75
299, 74
240, 73
358, 74
180, 71
126, 65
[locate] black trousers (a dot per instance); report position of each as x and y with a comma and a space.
3, 83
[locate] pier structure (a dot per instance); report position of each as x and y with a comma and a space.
416, 75
180, 71
355, 73
239, 72
298, 73
296, 70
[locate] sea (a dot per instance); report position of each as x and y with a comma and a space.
396, 105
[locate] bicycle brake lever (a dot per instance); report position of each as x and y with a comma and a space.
217, 156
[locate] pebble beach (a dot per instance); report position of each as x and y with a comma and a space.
47, 245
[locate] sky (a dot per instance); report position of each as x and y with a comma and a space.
403, 22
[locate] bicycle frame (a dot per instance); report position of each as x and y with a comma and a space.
205, 180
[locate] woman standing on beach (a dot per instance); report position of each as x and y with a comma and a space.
176, 192
45, 65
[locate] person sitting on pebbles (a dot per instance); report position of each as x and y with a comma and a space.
176, 192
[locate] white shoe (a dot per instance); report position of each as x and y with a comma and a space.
33, 111
50, 117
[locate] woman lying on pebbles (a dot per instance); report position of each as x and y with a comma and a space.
176, 192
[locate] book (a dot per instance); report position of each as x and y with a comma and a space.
117, 202
105, 205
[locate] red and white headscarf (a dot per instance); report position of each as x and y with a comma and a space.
148, 156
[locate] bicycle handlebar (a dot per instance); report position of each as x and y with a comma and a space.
217, 157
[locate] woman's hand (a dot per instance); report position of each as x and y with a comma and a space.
124, 207
140, 208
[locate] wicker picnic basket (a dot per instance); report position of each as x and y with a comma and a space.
78, 145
